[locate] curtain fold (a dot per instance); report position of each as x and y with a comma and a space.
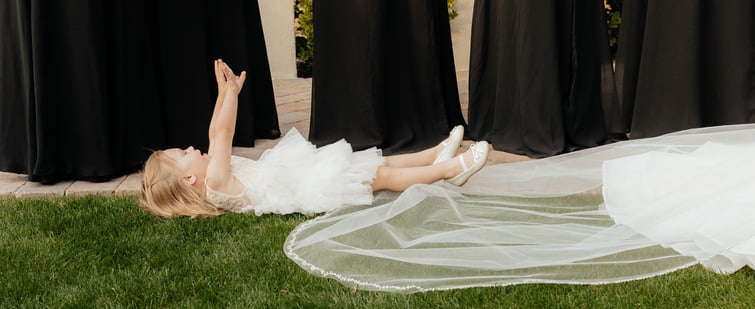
540, 77
686, 64
383, 74
92, 87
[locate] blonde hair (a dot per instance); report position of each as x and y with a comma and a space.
165, 194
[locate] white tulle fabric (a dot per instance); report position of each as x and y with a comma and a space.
701, 204
619, 212
296, 177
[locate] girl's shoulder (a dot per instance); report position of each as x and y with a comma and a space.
238, 202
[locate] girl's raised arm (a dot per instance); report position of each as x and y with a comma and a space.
222, 129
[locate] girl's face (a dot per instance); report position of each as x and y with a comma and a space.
190, 160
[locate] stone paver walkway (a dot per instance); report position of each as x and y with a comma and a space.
292, 98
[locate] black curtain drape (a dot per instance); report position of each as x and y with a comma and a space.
383, 74
540, 76
686, 64
90, 87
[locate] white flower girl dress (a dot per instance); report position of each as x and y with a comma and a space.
297, 177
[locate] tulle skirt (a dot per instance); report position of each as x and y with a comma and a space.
295, 176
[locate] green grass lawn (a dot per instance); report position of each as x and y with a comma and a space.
105, 252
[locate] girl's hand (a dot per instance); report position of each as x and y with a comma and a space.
219, 76
232, 81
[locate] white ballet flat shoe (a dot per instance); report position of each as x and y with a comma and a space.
480, 152
450, 145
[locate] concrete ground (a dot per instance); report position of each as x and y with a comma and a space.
292, 97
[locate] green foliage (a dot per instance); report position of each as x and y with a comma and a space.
304, 34
304, 37
96, 251
452, 13
613, 19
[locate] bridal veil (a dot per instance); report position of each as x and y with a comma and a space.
614, 213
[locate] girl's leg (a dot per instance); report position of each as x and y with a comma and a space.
448, 148
422, 158
400, 178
